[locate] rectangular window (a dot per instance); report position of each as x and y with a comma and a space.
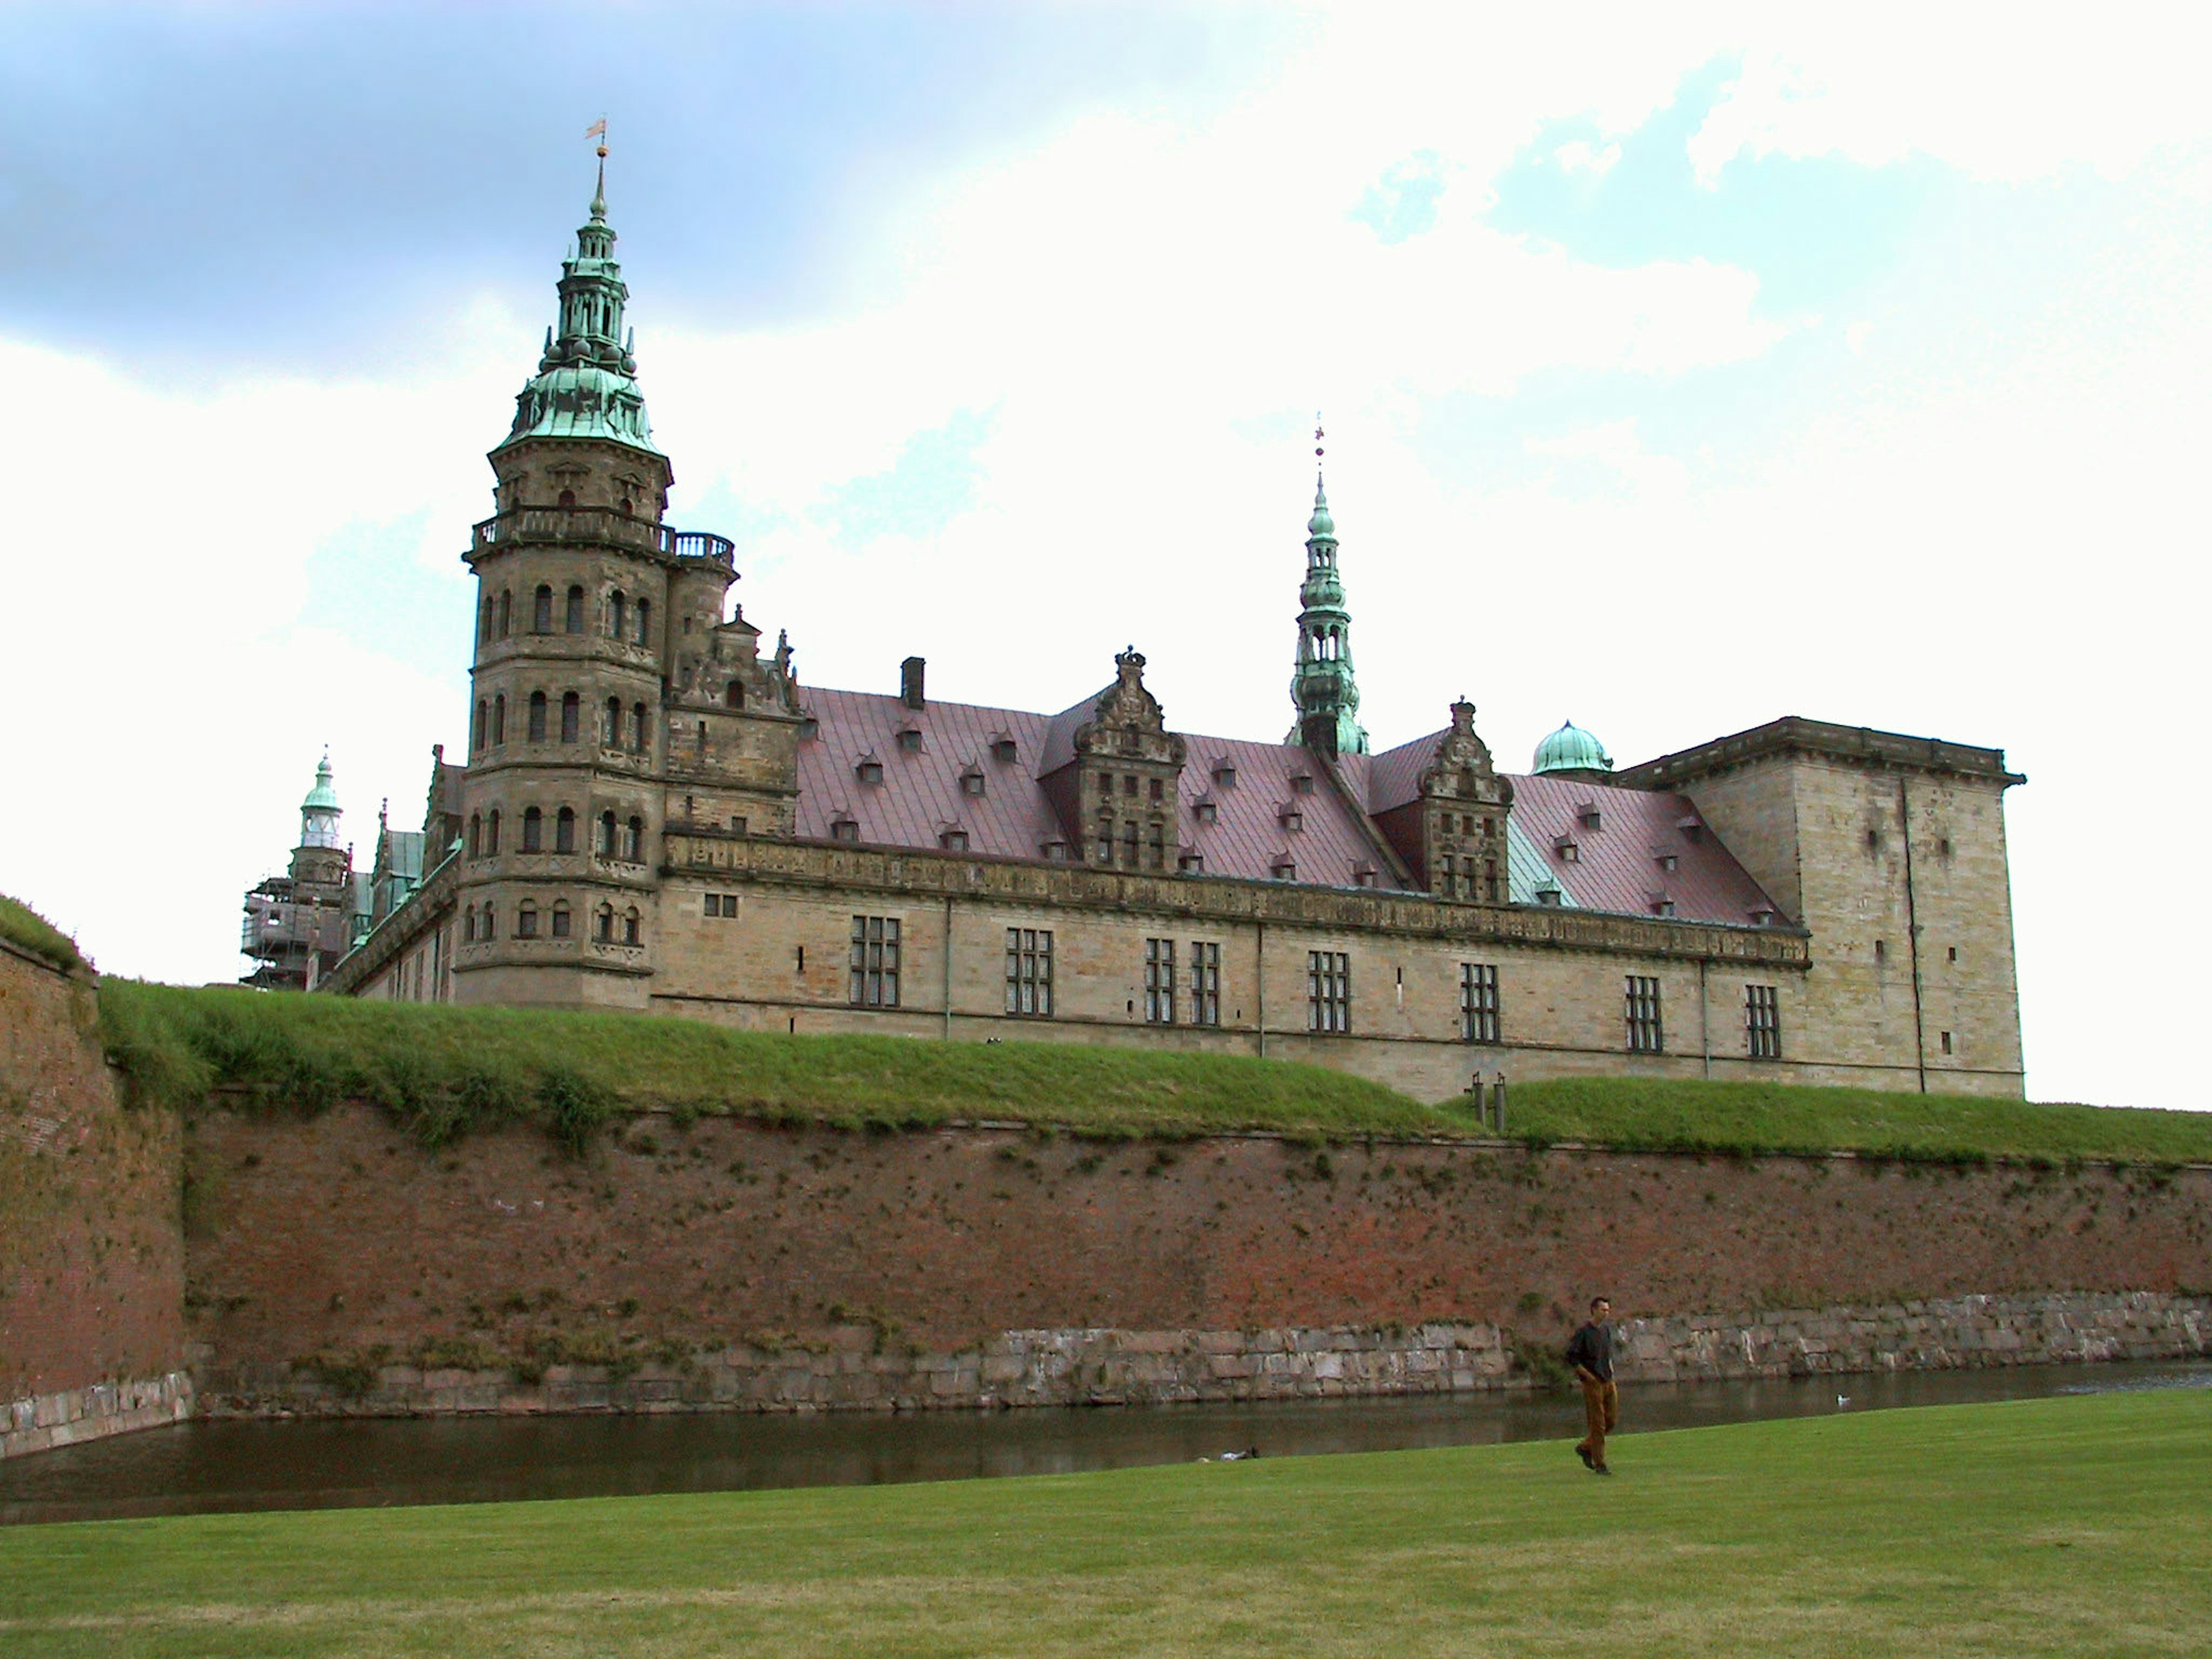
1159, 982
1645, 1034
1028, 971
1478, 1002
1328, 991
874, 980
1762, 1019
724, 905
1205, 982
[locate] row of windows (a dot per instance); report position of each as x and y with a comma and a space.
1203, 1006
619, 728
481, 922
618, 838
1136, 840
624, 621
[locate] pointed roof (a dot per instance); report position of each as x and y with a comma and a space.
322, 798
586, 382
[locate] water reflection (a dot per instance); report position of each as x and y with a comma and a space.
198, 1467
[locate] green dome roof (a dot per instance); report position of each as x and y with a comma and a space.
1321, 526
322, 796
1570, 748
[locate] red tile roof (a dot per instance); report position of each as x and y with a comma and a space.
1619, 865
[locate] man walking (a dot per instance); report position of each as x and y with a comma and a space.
1590, 1351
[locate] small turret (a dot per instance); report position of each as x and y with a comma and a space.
1572, 752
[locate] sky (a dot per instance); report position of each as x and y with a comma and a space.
1683, 368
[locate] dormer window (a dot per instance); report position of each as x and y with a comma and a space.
1365, 876
1224, 775
1283, 869
1569, 851
1290, 818
1588, 815
868, 770
952, 840
1669, 861
1762, 917
1693, 831
844, 829
1662, 906
1003, 750
1191, 863
1055, 851
809, 729
1548, 895
971, 781
1301, 783
1206, 811
909, 740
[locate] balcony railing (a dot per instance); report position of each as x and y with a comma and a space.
600, 526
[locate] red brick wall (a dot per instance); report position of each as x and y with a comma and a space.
338, 1236
91, 1260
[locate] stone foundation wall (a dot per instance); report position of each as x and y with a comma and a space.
42, 1422
855, 1368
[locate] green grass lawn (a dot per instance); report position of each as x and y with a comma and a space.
449, 1070
2073, 1527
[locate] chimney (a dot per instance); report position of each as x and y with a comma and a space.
910, 684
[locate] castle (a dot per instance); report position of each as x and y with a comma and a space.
655, 814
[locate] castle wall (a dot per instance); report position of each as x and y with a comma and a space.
330, 1252
91, 1256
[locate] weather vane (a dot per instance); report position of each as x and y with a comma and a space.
1317, 438
598, 129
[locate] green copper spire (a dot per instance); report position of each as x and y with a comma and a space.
586, 382
322, 795
1322, 687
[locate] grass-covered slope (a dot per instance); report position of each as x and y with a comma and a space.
2057, 1529
20, 924
1778, 1117
449, 1070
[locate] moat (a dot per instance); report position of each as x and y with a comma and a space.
230, 1465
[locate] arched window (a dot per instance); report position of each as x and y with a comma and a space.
475, 834
559, 928
617, 613
633, 840
483, 631
572, 715
491, 832
491, 923
526, 921
541, 611
734, 695
606, 923
505, 611
499, 719
627, 511
632, 932
613, 739
637, 727
607, 834
645, 622
476, 730
575, 617
533, 831
538, 717
564, 831
468, 924
567, 498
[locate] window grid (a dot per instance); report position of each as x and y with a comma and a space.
1478, 1002
1762, 1020
874, 962
1160, 982
1328, 991
1029, 972
1646, 1035
1205, 982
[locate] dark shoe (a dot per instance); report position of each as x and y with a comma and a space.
1600, 1468
1583, 1452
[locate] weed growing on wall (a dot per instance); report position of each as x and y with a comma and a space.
21, 926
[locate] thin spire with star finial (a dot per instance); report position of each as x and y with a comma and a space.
1322, 687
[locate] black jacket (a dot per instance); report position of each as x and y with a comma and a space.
1591, 1348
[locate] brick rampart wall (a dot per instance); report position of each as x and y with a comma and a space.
91, 1260
330, 1250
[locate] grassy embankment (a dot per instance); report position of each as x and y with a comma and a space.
2077, 1528
446, 1071
20, 924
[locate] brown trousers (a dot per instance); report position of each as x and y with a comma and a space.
1602, 1408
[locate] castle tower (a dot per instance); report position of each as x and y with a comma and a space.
294, 927
1322, 687
606, 683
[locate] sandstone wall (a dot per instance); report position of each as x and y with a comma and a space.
328, 1251
91, 1258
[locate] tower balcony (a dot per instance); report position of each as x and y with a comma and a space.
597, 526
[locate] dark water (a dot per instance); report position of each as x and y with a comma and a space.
199, 1468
